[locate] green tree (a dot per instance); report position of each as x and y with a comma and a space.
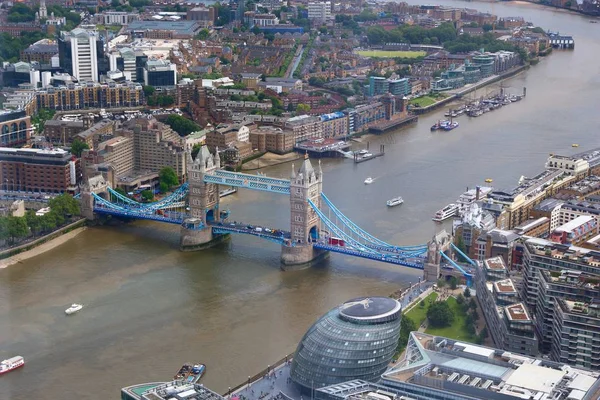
163, 187
467, 293
475, 315
440, 315
33, 221
460, 299
17, 228
64, 205
181, 125
422, 304
487, 27
78, 146
473, 304
168, 176
302, 108
147, 195
4, 228
148, 90
406, 327
441, 283
203, 34
40, 118
165, 100
48, 222
453, 282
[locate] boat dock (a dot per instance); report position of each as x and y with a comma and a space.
385, 126
358, 158
326, 147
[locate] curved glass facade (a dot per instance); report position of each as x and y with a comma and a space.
356, 340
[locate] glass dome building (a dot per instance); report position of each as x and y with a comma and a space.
356, 340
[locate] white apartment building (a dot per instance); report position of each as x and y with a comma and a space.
320, 11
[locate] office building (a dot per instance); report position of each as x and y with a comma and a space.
62, 133
356, 340
397, 87
378, 85
116, 17
38, 170
118, 152
160, 73
157, 146
539, 227
205, 16
15, 128
438, 368
508, 321
272, 139
576, 232
41, 51
130, 62
319, 11
261, 20
81, 54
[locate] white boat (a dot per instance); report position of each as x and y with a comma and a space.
11, 363
363, 152
367, 155
396, 201
446, 212
368, 180
73, 309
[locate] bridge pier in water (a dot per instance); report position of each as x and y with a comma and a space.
305, 225
203, 198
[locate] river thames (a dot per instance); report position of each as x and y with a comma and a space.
150, 308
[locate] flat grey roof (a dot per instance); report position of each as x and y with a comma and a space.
181, 27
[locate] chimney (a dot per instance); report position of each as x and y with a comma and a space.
477, 193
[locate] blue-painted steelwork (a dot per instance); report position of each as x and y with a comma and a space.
103, 206
370, 256
473, 263
375, 243
467, 275
254, 182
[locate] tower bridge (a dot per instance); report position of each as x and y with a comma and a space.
316, 226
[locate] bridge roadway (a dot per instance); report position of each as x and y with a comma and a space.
274, 235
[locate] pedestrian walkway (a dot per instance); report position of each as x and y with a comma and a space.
275, 385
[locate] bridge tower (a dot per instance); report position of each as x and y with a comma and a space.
96, 184
305, 225
203, 201
439, 243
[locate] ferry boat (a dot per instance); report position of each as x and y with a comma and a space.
450, 126
11, 364
396, 201
190, 373
73, 309
445, 213
368, 181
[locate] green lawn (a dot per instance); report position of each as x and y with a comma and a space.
418, 313
391, 53
423, 101
457, 330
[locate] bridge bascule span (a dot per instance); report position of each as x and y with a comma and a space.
316, 226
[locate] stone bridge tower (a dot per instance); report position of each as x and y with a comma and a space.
305, 225
97, 185
203, 199
440, 242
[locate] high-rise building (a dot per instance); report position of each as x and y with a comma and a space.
319, 11
81, 54
130, 62
561, 289
160, 73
